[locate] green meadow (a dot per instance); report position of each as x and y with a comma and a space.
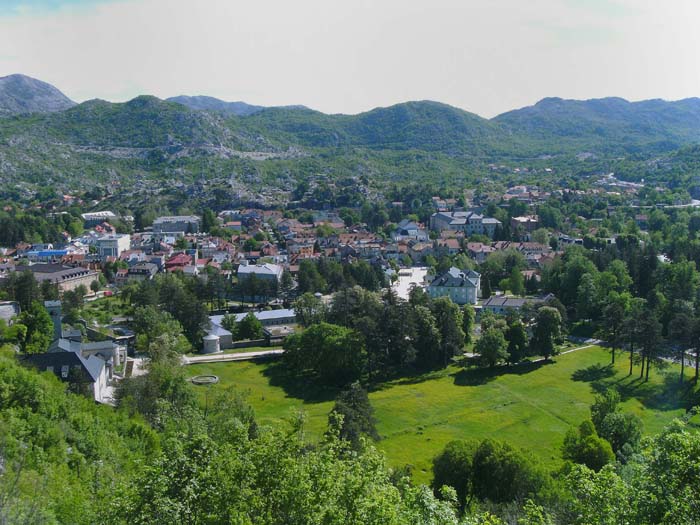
530, 405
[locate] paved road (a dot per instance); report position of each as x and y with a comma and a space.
243, 356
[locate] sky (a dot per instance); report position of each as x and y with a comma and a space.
484, 56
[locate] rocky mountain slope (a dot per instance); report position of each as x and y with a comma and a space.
20, 94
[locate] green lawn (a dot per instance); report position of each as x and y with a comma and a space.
531, 405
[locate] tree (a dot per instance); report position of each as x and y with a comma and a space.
309, 309
650, 336
613, 320
428, 339
286, 284
333, 354
516, 336
209, 220
23, 288
516, 282
631, 327
309, 278
249, 327
95, 286
621, 430
454, 467
485, 287
40, 329
163, 389
547, 330
680, 331
448, 319
150, 323
468, 317
503, 473
357, 415
586, 447
491, 346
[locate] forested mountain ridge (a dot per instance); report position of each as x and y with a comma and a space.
655, 123
148, 138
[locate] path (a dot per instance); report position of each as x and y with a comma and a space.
220, 358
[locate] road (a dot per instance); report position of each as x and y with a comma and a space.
220, 358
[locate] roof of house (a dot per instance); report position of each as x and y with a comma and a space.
91, 367
260, 269
455, 278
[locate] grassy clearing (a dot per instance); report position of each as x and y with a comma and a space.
531, 405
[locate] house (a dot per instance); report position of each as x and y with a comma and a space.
408, 230
178, 262
468, 222
479, 251
84, 375
143, 271
502, 304
178, 223
447, 246
261, 271
526, 223
462, 286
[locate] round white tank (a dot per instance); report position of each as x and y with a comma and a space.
211, 344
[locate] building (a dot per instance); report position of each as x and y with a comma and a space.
65, 277
272, 320
408, 230
468, 222
178, 223
113, 245
502, 304
8, 310
97, 217
261, 271
84, 375
526, 223
462, 286
142, 271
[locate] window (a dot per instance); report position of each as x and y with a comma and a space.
64, 371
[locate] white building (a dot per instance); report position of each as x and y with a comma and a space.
462, 286
261, 271
113, 245
96, 217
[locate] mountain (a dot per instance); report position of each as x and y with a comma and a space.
423, 125
21, 94
214, 104
204, 103
609, 122
190, 138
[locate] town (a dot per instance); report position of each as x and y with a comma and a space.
349, 263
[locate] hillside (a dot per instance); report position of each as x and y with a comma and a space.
204, 103
608, 122
21, 94
188, 137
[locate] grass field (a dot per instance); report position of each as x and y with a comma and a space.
530, 405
